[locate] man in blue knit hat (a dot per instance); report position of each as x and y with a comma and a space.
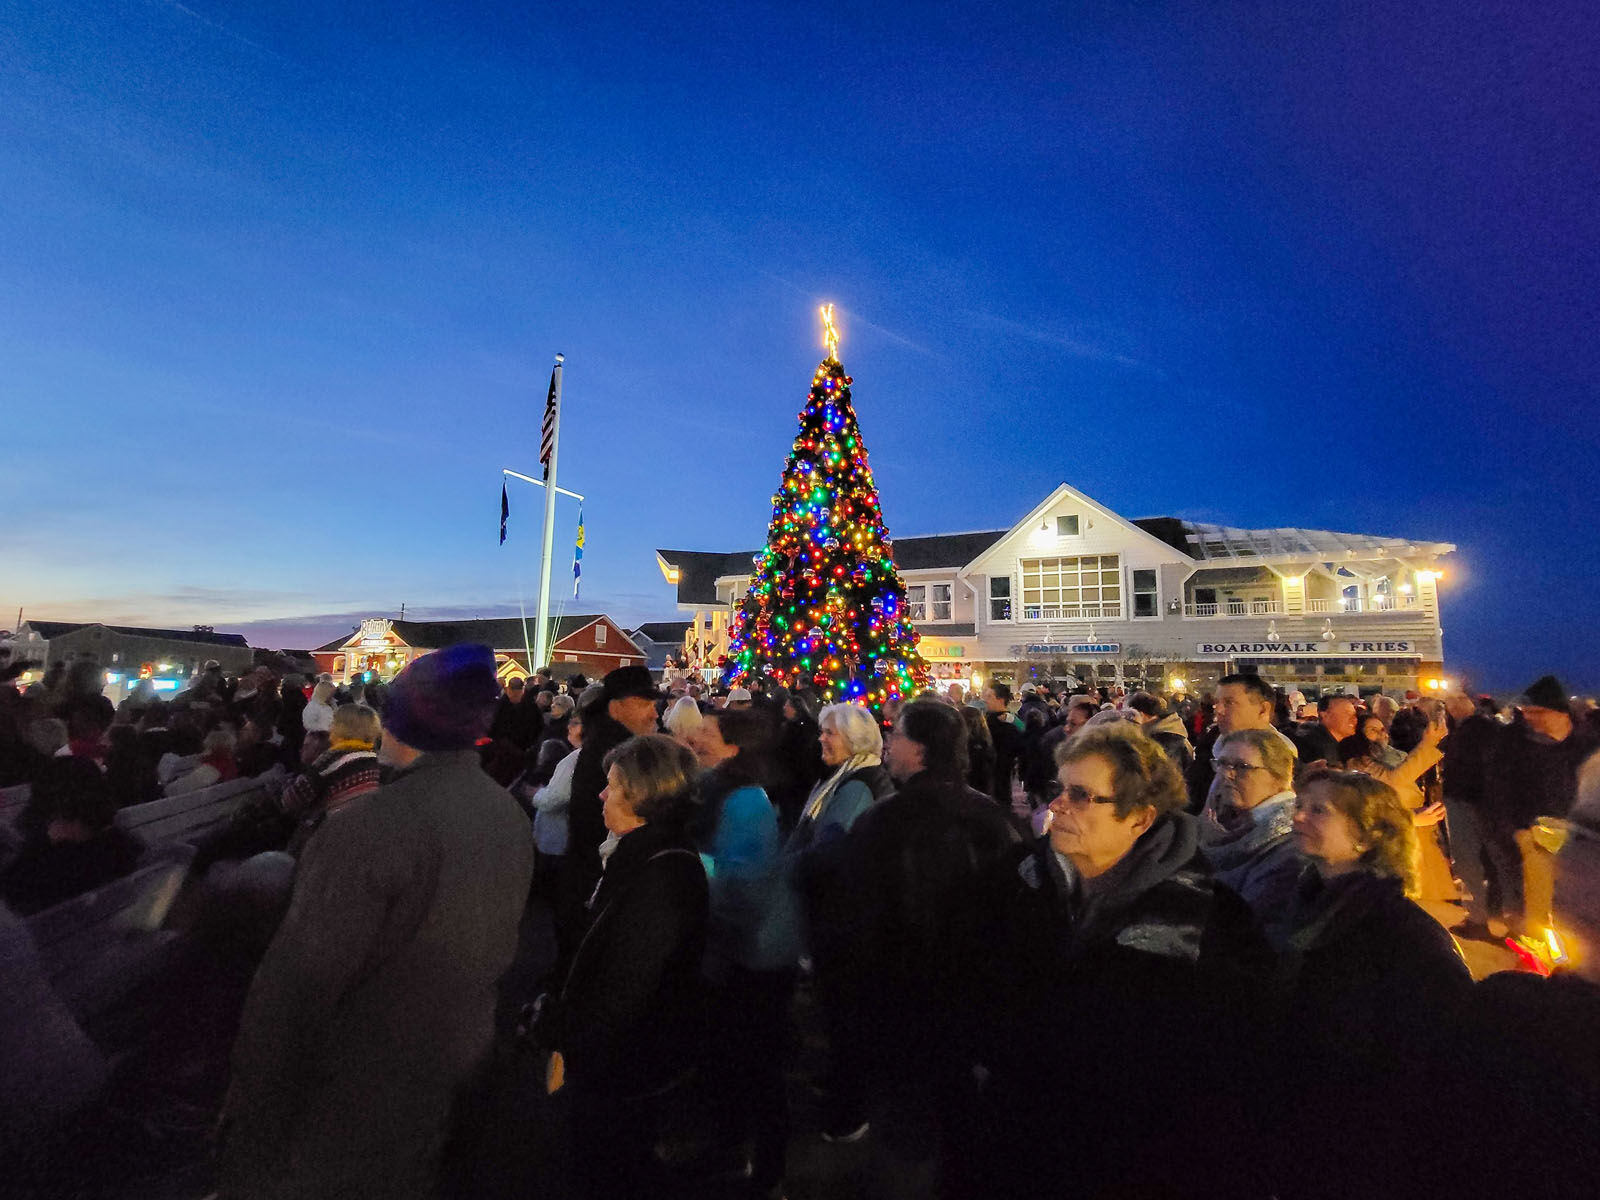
376, 999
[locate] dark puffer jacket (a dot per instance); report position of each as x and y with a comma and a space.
1123, 1010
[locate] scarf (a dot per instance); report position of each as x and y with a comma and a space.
823, 792
1265, 825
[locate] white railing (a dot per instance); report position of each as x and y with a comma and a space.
1235, 608
1390, 603
1071, 612
1324, 606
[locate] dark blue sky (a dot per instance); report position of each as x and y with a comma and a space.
280, 286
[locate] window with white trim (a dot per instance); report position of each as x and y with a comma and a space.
599, 635
941, 601
999, 597
917, 602
1056, 589
1145, 603
1067, 526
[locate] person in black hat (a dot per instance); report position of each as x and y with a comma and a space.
1533, 774
376, 999
626, 707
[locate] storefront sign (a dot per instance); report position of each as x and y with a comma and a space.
1378, 648
375, 631
1356, 648
1262, 649
928, 651
1065, 648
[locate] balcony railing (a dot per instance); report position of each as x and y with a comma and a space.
1371, 604
1234, 608
1071, 612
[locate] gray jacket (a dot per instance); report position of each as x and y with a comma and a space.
377, 997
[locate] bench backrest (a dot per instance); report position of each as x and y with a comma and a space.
136, 903
193, 814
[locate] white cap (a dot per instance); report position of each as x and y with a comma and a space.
738, 694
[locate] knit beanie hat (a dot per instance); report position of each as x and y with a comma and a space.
444, 700
1545, 692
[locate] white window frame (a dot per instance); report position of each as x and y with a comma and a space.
1133, 594
1054, 598
917, 602
1010, 598
1075, 517
599, 634
948, 603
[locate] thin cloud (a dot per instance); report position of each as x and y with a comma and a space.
223, 29
1076, 346
854, 317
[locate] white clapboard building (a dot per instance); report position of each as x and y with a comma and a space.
1077, 593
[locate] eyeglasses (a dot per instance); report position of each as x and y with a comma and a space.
1080, 796
1233, 766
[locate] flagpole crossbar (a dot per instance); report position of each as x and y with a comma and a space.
540, 482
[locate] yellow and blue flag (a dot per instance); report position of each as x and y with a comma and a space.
577, 556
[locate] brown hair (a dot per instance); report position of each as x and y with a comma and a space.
1144, 775
659, 773
1379, 818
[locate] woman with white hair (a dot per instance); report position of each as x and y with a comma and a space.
317, 716
855, 780
682, 719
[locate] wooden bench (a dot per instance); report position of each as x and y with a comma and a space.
97, 947
189, 817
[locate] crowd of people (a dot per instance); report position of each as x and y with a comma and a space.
1095, 944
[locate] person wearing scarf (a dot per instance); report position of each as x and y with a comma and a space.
854, 781
1246, 829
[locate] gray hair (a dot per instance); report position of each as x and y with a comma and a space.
561, 704
1276, 756
858, 727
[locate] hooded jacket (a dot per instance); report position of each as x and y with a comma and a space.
1148, 978
1168, 733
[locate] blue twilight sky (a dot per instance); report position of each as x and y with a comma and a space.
280, 285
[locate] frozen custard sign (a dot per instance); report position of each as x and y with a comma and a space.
1062, 648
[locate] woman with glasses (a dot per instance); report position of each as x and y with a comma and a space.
1246, 826
1371, 983
1133, 980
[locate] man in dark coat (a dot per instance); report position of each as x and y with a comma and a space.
1467, 753
626, 708
1123, 984
1319, 740
517, 719
923, 866
1005, 731
376, 999
1533, 774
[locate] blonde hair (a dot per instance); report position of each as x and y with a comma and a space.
323, 692
857, 726
1380, 820
1276, 756
355, 723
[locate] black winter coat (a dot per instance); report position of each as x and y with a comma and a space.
1371, 985
1124, 1010
627, 1020
586, 823
921, 873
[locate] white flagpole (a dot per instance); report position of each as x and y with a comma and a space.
541, 629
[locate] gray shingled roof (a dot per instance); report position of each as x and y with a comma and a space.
54, 629
699, 570
669, 633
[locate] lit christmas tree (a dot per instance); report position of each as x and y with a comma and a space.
827, 607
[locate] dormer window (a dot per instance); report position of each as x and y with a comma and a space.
1067, 526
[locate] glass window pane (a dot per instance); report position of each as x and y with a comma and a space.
1144, 581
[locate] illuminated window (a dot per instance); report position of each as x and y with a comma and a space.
1071, 588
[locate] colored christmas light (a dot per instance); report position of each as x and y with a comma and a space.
829, 564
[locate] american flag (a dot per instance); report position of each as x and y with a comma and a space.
547, 440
